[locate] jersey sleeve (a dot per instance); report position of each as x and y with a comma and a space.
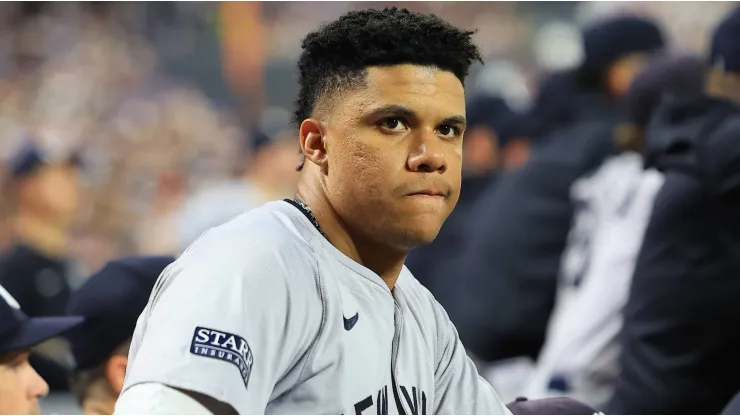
459, 389
229, 320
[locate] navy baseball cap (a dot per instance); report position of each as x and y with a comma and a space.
551, 406
725, 49
674, 75
18, 331
496, 114
610, 39
30, 156
111, 301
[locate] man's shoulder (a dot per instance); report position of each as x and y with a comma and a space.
723, 138
720, 151
273, 223
271, 233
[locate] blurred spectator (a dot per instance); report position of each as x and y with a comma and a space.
518, 229
495, 137
46, 190
679, 337
111, 302
20, 386
269, 174
580, 355
554, 105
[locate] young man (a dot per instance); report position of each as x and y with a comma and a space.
304, 305
111, 301
20, 385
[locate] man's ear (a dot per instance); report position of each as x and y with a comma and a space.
313, 145
116, 371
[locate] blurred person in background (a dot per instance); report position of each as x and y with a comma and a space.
268, 173
679, 336
507, 274
580, 355
45, 190
495, 140
110, 301
554, 105
20, 385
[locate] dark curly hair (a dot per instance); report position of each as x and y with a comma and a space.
336, 56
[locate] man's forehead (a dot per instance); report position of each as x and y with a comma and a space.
413, 76
412, 86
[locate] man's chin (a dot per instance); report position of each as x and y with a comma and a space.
418, 237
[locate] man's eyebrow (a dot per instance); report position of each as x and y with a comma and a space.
395, 110
455, 120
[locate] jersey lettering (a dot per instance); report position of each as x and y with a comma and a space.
414, 398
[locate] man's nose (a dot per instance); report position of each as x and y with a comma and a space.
38, 387
427, 154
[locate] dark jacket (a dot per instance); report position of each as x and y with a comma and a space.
40, 286
504, 283
680, 339
733, 407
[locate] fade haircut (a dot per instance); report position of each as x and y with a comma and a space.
336, 56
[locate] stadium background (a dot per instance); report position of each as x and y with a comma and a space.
163, 99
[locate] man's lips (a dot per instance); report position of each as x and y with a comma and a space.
428, 193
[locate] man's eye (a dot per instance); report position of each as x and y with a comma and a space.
393, 124
16, 364
449, 131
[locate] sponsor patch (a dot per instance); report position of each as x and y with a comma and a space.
223, 346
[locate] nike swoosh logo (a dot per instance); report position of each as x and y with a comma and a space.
350, 323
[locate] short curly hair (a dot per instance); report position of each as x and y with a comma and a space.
336, 56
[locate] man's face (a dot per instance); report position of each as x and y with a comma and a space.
20, 385
56, 190
394, 151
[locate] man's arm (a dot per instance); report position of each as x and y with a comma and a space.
458, 387
158, 398
227, 321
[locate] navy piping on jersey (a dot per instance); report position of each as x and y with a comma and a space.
307, 212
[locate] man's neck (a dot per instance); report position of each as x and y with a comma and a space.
44, 236
723, 85
385, 261
101, 399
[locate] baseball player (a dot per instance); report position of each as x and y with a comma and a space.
304, 306
111, 300
20, 385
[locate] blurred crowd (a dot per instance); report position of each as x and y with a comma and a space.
593, 252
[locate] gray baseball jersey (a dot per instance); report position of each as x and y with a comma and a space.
264, 314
